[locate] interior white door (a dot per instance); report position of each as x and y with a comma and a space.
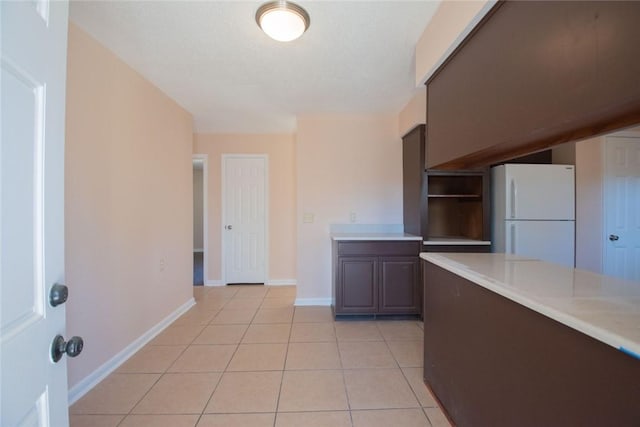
540, 192
245, 184
622, 208
34, 45
552, 241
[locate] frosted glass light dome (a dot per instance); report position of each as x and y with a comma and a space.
282, 20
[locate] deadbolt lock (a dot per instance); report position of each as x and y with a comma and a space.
58, 295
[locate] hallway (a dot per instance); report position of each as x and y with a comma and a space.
245, 356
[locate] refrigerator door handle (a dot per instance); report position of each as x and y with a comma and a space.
513, 239
512, 199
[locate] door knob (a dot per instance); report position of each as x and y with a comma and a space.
228, 227
58, 295
613, 237
73, 347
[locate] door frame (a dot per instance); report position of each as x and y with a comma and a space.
223, 214
204, 158
605, 214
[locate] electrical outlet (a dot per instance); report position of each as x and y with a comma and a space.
307, 218
352, 217
162, 264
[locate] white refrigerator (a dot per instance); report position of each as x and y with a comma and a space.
533, 208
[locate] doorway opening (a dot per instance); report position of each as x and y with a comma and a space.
200, 210
621, 188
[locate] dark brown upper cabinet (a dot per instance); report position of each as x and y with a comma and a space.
534, 74
414, 212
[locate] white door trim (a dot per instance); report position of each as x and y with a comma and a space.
223, 242
205, 214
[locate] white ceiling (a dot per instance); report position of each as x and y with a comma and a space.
211, 57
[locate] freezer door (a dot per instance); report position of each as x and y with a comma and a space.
544, 192
552, 241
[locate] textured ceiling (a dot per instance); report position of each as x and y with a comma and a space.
211, 57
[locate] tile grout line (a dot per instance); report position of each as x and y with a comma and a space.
227, 365
204, 408
166, 371
422, 409
334, 339
402, 372
162, 374
344, 379
192, 343
427, 417
284, 366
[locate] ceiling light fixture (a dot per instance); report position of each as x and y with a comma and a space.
283, 21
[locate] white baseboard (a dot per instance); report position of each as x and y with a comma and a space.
312, 301
281, 282
214, 283
91, 380
275, 282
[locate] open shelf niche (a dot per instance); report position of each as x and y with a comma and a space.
456, 205
449, 209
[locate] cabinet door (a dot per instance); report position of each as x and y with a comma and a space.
357, 285
399, 285
412, 179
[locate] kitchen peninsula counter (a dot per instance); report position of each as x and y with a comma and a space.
518, 341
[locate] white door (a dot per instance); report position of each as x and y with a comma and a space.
552, 241
34, 46
622, 208
245, 218
540, 192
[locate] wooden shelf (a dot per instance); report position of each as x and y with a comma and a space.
454, 240
455, 196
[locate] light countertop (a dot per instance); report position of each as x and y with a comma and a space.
374, 236
602, 307
449, 241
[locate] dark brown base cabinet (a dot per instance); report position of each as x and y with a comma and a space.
376, 278
493, 362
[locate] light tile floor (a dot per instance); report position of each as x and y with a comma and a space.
245, 356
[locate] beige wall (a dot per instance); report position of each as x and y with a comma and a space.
449, 26
589, 203
198, 243
344, 164
127, 204
414, 113
282, 184
564, 154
